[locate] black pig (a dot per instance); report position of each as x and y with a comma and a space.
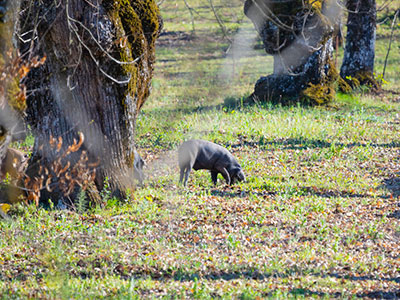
200, 154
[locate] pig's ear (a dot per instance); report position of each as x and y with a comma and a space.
235, 170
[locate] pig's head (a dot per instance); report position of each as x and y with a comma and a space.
237, 174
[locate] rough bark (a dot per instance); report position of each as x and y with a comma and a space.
96, 77
299, 36
359, 54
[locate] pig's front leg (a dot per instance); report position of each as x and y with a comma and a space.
214, 176
226, 176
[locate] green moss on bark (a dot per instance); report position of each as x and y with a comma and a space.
318, 94
324, 91
360, 78
137, 26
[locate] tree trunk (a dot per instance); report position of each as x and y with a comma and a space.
358, 61
96, 77
299, 36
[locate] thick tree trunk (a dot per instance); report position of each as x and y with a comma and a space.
96, 77
299, 36
358, 61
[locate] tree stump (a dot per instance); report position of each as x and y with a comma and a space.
299, 35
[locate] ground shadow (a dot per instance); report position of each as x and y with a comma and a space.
251, 274
178, 111
312, 191
304, 143
394, 215
240, 194
305, 191
174, 38
392, 184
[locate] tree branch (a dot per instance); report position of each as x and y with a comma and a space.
390, 42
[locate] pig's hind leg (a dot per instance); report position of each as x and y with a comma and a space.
184, 175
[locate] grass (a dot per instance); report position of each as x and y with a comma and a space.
317, 217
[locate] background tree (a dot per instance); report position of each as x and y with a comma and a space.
299, 36
83, 102
359, 54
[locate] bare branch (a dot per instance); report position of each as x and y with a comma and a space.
390, 42
74, 30
191, 14
160, 3
274, 19
220, 23
101, 48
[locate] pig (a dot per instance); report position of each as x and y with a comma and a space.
138, 165
200, 154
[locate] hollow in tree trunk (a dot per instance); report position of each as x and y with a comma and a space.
83, 102
299, 36
358, 61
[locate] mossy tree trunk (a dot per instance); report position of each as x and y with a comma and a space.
299, 36
359, 54
96, 77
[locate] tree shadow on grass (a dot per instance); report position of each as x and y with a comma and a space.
251, 274
394, 215
177, 112
392, 184
304, 143
324, 193
240, 194
254, 275
266, 190
380, 294
174, 39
